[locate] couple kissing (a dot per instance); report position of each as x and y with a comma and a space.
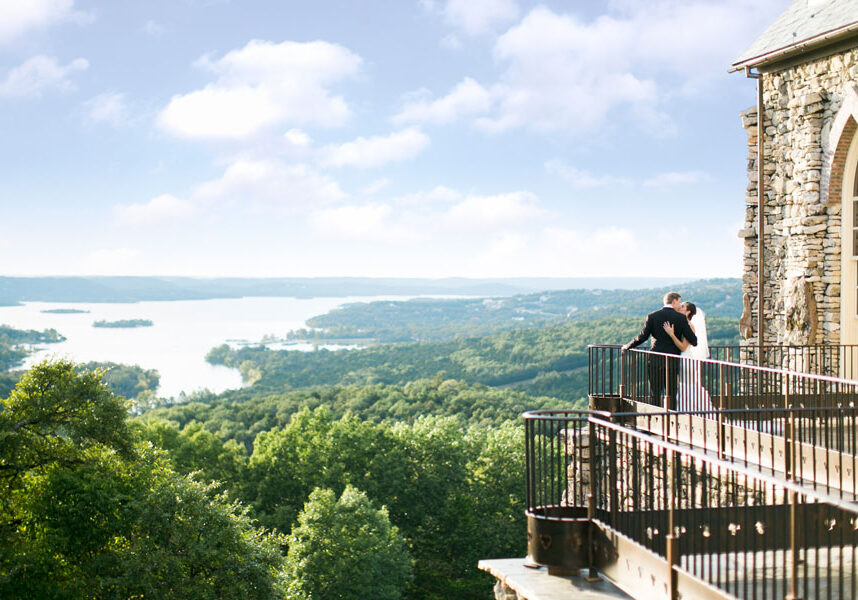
679, 329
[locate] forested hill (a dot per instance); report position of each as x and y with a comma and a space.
545, 361
433, 319
135, 289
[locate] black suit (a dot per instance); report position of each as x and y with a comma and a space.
661, 366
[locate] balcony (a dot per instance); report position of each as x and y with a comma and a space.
734, 477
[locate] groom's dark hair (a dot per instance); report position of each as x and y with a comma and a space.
669, 297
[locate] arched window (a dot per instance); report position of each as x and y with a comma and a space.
849, 247
854, 226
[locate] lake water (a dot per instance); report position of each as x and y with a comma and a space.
182, 333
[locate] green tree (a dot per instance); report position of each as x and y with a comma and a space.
316, 451
55, 416
87, 512
345, 549
194, 449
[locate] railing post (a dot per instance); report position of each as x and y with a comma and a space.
793, 543
720, 414
612, 475
672, 540
592, 574
790, 472
622, 389
788, 431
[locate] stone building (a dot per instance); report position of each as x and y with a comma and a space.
806, 66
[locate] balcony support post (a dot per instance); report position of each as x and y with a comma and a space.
671, 539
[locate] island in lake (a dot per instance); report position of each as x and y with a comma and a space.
124, 323
64, 311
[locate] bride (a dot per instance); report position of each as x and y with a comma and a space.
692, 395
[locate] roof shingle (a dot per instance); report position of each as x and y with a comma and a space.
802, 21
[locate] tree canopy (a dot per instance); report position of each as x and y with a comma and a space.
345, 549
90, 512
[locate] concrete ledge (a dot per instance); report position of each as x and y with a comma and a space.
517, 582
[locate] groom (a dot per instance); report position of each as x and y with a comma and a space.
661, 366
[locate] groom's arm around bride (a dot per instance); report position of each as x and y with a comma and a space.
654, 327
660, 367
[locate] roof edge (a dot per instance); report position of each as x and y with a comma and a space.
787, 51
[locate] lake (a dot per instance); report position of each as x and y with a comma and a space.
183, 332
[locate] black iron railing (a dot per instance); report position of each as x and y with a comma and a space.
604, 373
605, 376
744, 413
818, 359
679, 383
661, 511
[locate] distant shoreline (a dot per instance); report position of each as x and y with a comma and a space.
15, 290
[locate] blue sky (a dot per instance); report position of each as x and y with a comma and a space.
424, 138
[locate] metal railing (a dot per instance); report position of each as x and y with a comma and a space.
664, 518
817, 359
757, 415
832, 361
675, 382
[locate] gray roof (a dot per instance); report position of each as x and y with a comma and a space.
805, 23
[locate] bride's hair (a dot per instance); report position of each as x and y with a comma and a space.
692, 310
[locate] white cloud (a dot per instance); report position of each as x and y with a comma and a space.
697, 37
266, 185
440, 194
467, 98
501, 252
618, 250
246, 186
367, 222
564, 72
580, 178
557, 251
450, 42
20, 16
153, 28
261, 85
377, 150
493, 212
479, 16
160, 208
676, 178
376, 186
296, 137
108, 107
40, 74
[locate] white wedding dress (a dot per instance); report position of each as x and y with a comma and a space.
692, 394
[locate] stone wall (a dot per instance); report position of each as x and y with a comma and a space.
806, 138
